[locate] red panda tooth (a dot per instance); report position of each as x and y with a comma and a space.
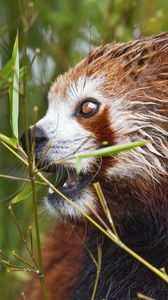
71, 181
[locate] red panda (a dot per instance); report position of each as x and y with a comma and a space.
118, 94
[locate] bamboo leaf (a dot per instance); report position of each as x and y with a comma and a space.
78, 166
22, 195
25, 193
8, 140
111, 150
5, 74
14, 91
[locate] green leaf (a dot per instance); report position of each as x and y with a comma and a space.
111, 150
22, 195
25, 193
78, 165
14, 91
5, 74
10, 141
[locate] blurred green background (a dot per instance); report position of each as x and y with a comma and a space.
64, 31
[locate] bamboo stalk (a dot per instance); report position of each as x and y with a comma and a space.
107, 233
99, 264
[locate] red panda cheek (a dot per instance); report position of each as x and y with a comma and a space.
99, 126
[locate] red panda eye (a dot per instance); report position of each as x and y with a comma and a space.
88, 108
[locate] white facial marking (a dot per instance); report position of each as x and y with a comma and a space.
64, 131
86, 197
68, 137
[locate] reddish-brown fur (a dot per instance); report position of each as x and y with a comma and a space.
137, 70
61, 258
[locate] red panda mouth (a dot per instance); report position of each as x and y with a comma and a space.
68, 183
72, 182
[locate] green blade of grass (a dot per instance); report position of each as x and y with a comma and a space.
14, 91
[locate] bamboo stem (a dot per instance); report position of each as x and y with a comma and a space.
19, 179
99, 264
107, 233
112, 237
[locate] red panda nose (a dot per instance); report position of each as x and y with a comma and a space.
36, 135
40, 135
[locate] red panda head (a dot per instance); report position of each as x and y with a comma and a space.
118, 94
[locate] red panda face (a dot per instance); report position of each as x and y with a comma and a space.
75, 122
116, 96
